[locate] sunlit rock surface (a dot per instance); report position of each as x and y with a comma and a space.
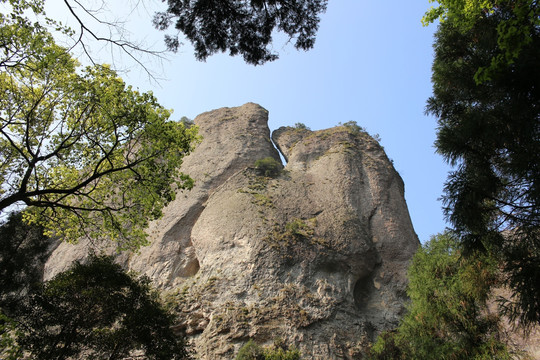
316, 256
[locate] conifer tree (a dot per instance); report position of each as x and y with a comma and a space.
490, 132
447, 317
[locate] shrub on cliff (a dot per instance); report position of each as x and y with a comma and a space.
268, 166
278, 351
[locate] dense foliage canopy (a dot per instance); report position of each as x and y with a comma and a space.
448, 316
96, 310
241, 27
23, 251
90, 156
514, 31
490, 131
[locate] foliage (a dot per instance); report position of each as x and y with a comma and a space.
98, 310
279, 351
298, 228
514, 31
23, 251
244, 27
353, 127
447, 317
92, 24
250, 351
491, 133
89, 155
268, 166
9, 349
93, 305
301, 126
187, 122
241, 27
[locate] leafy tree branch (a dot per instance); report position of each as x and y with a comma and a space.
89, 156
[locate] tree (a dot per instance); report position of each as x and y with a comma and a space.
447, 317
23, 251
490, 131
241, 27
514, 31
92, 23
97, 310
88, 155
9, 349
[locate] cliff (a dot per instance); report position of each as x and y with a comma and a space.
315, 255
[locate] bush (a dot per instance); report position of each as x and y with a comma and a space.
298, 228
447, 317
9, 349
99, 311
250, 351
301, 126
268, 166
278, 351
353, 127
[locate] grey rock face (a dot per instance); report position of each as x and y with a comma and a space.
316, 256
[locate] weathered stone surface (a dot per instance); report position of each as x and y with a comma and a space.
316, 255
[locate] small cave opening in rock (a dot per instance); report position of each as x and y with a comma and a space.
191, 268
363, 289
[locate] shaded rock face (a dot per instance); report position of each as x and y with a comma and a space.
316, 256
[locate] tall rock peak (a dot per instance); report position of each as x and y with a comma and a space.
316, 255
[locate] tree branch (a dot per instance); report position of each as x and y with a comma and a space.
125, 46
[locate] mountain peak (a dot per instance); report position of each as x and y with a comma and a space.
316, 255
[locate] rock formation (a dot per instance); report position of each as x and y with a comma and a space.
316, 255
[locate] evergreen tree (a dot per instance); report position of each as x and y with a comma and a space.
514, 31
241, 27
447, 317
490, 131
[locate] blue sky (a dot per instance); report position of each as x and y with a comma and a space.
371, 64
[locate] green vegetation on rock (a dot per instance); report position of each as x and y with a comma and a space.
301, 126
268, 166
278, 351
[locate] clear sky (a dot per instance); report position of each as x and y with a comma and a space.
371, 64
